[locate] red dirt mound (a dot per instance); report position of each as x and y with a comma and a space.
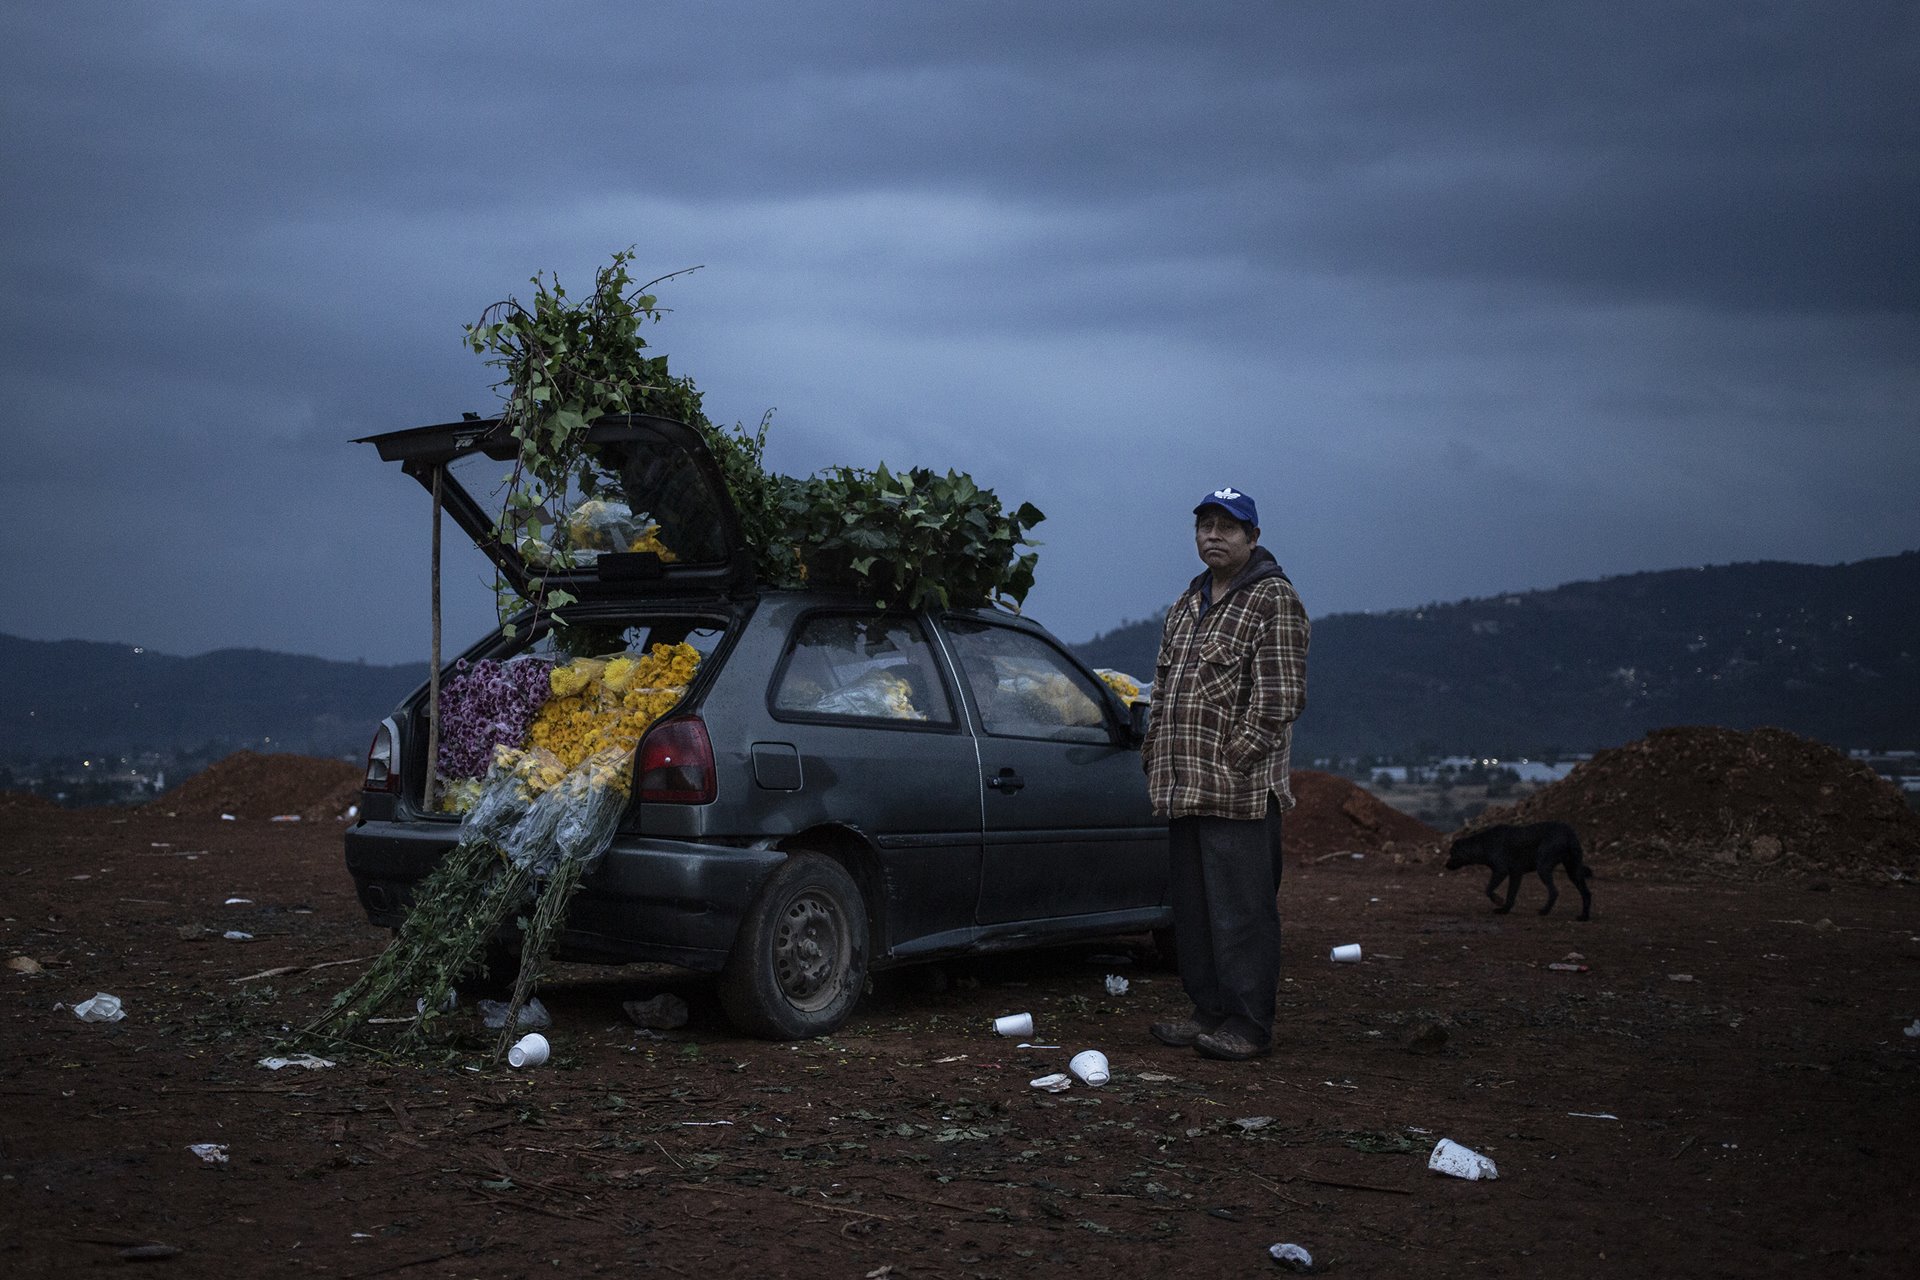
1334, 815
25, 801
1718, 802
250, 785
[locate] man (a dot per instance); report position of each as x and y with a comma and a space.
1229, 682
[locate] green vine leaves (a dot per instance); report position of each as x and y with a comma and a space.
564, 365
908, 538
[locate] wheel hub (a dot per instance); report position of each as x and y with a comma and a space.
809, 949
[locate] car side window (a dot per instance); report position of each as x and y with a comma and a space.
864, 667
1026, 688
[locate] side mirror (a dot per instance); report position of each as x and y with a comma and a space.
1138, 714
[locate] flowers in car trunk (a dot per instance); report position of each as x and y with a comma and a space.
488, 703
601, 705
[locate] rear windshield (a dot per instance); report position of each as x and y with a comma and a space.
629, 496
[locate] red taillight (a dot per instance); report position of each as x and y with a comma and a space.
382, 775
676, 763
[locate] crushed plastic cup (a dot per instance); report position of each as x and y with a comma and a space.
1015, 1025
1348, 954
1117, 985
528, 1051
1091, 1066
211, 1152
1058, 1082
1456, 1161
102, 1008
1291, 1256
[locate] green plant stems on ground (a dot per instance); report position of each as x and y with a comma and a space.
455, 912
549, 914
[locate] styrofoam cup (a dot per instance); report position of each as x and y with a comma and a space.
1091, 1066
529, 1051
1014, 1024
1348, 954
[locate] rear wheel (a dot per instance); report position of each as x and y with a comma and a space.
800, 960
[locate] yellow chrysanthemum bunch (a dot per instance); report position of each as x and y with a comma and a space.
650, 541
587, 524
456, 795
1067, 700
603, 706
899, 696
1121, 683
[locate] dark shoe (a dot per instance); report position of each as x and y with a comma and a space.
1229, 1046
1181, 1035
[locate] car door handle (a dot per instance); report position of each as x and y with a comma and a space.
1006, 780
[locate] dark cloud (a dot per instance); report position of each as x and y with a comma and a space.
1484, 296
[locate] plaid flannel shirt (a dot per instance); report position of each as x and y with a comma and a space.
1227, 687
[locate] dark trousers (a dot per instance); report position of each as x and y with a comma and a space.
1226, 918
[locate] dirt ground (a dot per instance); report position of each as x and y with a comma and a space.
1723, 1086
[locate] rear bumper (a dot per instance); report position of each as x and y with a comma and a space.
649, 900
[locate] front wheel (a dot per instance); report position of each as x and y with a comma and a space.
800, 960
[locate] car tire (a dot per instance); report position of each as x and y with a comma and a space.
799, 963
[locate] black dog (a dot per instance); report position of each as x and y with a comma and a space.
1513, 851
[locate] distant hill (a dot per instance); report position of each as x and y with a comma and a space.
1828, 651
76, 695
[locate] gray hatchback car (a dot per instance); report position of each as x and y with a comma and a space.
841, 789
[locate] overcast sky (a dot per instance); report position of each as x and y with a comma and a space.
1471, 298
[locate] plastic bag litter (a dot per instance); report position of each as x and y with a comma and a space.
448, 1002
1291, 1256
1117, 985
533, 1014
101, 1008
305, 1060
664, 1012
1456, 1161
211, 1152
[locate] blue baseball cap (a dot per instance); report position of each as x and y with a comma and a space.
1233, 502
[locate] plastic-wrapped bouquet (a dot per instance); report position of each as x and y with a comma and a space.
1121, 683
538, 821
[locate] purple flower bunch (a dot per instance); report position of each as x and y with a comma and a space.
489, 702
